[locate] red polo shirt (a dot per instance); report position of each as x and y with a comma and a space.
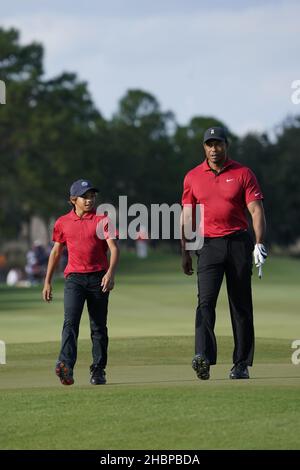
225, 196
87, 252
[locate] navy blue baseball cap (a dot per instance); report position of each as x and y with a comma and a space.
215, 133
80, 187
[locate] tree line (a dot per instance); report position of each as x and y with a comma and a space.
51, 133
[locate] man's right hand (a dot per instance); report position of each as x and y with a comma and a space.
187, 264
47, 292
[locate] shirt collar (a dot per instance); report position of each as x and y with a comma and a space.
206, 166
87, 215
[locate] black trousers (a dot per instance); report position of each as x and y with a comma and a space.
231, 256
78, 289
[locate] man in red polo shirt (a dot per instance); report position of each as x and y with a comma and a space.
89, 277
226, 190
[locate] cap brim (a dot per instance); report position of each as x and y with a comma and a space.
85, 190
221, 139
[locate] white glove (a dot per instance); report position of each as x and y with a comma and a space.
260, 254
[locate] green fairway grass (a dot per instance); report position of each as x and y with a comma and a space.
154, 298
153, 399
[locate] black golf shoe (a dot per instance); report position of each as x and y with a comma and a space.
201, 367
65, 373
98, 376
239, 371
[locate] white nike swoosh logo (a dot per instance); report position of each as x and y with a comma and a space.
256, 194
227, 181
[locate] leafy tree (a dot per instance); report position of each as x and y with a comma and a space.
283, 176
50, 134
20, 68
142, 148
63, 126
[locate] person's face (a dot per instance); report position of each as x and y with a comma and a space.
86, 202
215, 151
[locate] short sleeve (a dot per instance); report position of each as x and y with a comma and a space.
187, 195
58, 234
252, 188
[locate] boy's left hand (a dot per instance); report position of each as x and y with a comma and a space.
107, 282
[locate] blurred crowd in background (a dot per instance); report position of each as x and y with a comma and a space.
33, 271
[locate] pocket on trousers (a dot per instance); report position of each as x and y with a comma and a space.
250, 242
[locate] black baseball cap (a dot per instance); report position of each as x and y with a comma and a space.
80, 187
215, 133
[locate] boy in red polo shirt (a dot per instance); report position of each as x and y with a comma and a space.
89, 277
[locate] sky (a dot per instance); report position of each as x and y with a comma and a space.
233, 60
